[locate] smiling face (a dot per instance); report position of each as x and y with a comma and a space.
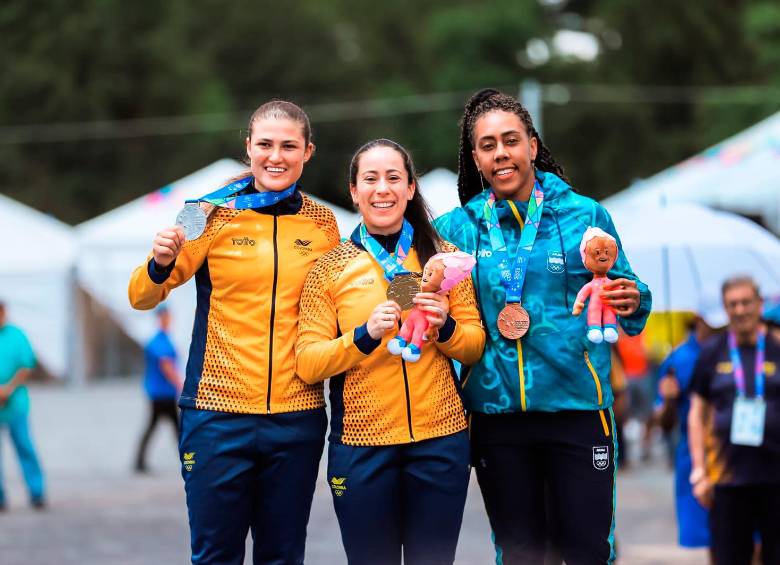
743, 307
277, 151
504, 153
600, 255
382, 189
433, 275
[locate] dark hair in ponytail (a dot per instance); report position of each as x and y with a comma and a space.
484, 101
426, 240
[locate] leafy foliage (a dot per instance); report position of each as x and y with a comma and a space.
103, 100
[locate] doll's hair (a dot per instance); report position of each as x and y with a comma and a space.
457, 266
592, 233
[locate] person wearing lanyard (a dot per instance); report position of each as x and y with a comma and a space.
252, 431
398, 456
540, 398
734, 430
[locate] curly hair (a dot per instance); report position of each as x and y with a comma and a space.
484, 101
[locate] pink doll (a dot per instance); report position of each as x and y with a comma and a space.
442, 272
599, 253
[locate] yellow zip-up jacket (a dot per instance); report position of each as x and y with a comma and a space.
380, 399
249, 267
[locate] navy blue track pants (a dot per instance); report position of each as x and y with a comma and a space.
250, 472
401, 498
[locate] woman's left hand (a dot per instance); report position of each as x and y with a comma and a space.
435, 306
622, 295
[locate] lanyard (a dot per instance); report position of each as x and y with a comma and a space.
224, 197
392, 265
513, 276
739, 371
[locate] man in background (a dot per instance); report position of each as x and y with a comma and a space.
16, 362
734, 430
162, 382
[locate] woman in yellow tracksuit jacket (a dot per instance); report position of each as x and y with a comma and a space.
252, 430
398, 461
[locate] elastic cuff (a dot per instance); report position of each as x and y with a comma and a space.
446, 331
363, 340
159, 274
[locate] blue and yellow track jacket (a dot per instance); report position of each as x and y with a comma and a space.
378, 398
553, 367
249, 268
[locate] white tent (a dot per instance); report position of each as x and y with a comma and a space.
684, 252
740, 174
440, 190
113, 244
36, 281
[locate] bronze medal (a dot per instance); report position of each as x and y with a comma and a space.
513, 321
403, 289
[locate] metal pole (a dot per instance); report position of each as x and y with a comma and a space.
530, 95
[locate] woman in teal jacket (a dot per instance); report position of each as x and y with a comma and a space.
542, 427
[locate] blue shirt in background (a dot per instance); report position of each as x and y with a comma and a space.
156, 385
15, 353
691, 516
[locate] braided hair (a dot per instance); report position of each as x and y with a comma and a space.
426, 239
484, 101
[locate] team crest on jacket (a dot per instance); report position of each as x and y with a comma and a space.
555, 262
600, 457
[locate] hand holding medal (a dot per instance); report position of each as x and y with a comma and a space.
167, 245
383, 319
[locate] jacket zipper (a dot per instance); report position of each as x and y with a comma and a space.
273, 315
408, 401
521, 373
599, 396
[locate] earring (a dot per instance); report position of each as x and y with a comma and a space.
482, 180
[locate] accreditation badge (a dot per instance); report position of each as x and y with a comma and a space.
747, 421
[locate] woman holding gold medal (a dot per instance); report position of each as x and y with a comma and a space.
398, 459
539, 399
252, 431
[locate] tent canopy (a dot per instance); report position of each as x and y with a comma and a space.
740, 174
684, 252
36, 280
440, 190
32, 241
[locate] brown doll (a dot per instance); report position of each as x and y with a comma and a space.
599, 253
442, 272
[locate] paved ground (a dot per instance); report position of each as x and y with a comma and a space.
100, 513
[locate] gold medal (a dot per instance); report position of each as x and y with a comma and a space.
403, 289
513, 321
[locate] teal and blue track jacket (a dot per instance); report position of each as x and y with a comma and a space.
553, 367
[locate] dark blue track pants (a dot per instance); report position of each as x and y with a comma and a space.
398, 498
246, 471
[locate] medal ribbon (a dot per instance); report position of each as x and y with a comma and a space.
739, 371
392, 265
224, 197
513, 276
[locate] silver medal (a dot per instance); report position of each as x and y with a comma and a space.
192, 220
